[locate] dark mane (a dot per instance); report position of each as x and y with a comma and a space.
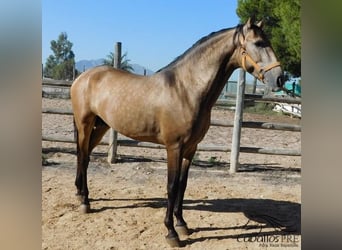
201, 41
239, 30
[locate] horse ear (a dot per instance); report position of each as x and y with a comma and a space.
249, 23
260, 24
247, 26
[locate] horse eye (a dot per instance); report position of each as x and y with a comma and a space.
261, 44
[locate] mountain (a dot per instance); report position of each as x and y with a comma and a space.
83, 65
138, 69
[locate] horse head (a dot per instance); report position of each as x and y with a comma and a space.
257, 55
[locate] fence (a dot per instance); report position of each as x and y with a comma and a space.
219, 123
61, 89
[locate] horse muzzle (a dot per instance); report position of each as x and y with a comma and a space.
279, 84
274, 79
270, 74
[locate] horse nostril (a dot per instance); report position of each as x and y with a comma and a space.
280, 81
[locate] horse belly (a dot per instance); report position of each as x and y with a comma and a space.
137, 122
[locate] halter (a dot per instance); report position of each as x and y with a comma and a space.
261, 70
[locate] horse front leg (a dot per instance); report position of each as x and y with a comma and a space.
173, 173
181, 226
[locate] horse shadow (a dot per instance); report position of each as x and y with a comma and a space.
278, 217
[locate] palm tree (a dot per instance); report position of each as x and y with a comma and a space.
124, 65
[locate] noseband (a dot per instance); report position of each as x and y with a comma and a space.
261, 70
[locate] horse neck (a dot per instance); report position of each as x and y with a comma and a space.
204, 71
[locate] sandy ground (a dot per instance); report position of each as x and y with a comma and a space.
257, 208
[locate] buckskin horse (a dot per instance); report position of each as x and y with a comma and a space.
171, 107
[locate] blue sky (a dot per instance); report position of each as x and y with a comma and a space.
152, 32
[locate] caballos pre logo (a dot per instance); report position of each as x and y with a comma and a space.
281, 237
273, 240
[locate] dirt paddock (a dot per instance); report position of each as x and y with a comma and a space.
256, 208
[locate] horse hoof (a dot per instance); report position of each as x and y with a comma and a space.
173, 242
84, 209
182, 230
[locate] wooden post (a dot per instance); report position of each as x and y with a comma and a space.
117, 56
234, 155
113, 135
73, 71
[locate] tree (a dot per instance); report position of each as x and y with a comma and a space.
60, 66
124, 62
282, 26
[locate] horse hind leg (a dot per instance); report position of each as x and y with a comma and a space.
88, 135
99, 130
84, 129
